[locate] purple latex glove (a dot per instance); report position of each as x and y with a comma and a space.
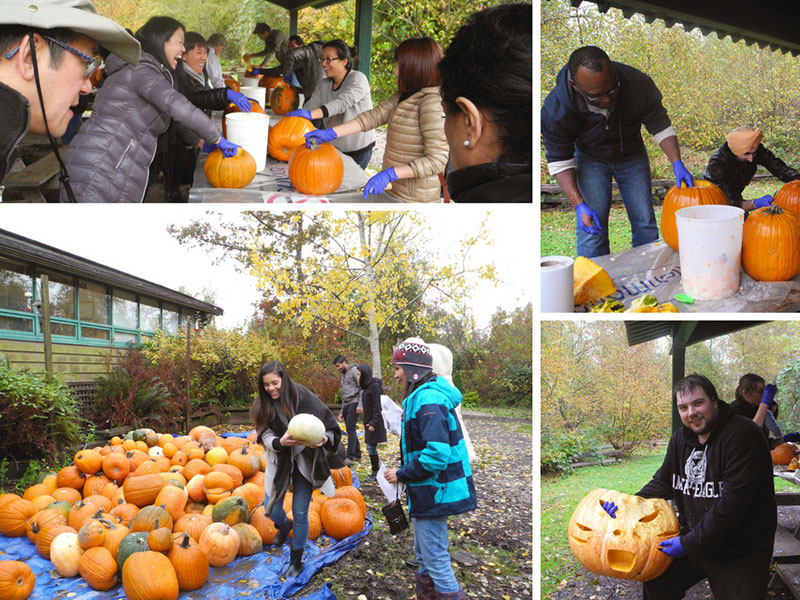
240, 100
228, 148
585, 209
256, 71
300, 112
610, 508
377, 183
672, 547
321, 136
769, 393
763, 201
791, 437
288, 79
682, 174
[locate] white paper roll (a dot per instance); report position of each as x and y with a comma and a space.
556, 284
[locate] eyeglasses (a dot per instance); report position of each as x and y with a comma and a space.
92, 63
610, 94
327, 60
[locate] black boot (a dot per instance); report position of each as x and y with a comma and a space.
376, 465
295, 563
283, 533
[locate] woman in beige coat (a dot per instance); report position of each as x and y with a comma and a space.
416, 147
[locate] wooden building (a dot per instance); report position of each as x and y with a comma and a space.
92, 311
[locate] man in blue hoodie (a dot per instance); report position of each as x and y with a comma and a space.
591, 125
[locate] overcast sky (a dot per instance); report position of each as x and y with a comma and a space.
133, 238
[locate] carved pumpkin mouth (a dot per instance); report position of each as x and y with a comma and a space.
621, 560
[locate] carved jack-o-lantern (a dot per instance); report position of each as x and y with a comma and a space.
625, 547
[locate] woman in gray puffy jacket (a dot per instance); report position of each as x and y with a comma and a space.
109, 158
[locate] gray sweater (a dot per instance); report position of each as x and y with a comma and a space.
350, 100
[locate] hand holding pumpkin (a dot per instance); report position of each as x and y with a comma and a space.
610, 508
682, 174
763, 201
288, 440
672, 547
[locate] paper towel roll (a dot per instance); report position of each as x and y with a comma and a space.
556, 284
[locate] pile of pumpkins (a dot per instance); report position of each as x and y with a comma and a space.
155, 511
771, 235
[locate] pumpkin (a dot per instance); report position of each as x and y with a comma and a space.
306, 428
232, 108
314, 523
231, 510
42, 519
194, 508
99, 501
783, 454
195, 488
92, 534
233, 172
341, 518
788, 197
348, 491
116, 466
270, 82
50, 479
590, 281
47, 535
232, 471
192, 524
114, 536
70, 477
124, 511
149, 576
341, 477
88, 461
258, 477
286, 135
98, 568
284, 99
13, 516
151, 517
231, 83
316, 170
252, 493
36, 490
625, 547
216, 455
173, 499
189, 561
16, 580
148, 467
250, 541
42, 502
160, 540
263, 524
218, 485
131, 544
703, 192
67, 494
61, 506
142, 490
245, 460
194, 467
220, 542
771, 244
82, 512
65, 553
96, 484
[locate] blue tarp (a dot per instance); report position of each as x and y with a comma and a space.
249, 576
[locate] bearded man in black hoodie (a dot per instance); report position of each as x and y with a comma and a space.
718, 471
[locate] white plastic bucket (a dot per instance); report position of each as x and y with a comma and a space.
259, 94
710, 242
249, 81
251, 132
240, 74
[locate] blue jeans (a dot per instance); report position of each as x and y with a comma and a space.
594, 183
432, 548
300, 501
361, 157
372, 449
351, 426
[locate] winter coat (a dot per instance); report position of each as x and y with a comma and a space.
492, 182
109, 158
722, 489
14, 122
733, 175
414, 137
567, 124
350, 390
371, 402
311, 462
435, 467
277, 43
304, 63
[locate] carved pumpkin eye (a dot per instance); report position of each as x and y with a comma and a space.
651, 517
588, 531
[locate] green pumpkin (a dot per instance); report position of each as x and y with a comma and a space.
133, 542
231, 510
139, 435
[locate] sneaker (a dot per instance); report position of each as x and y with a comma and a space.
412, 562
371, 478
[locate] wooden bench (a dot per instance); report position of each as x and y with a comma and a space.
30, 180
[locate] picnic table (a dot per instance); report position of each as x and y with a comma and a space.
655, 269
271, 185
786, 552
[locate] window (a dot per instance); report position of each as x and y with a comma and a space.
150, 313
62, 296
93, 302
13, 285
126, 313
171, 319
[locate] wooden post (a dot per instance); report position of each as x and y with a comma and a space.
293, 22
187, 409
48, 342
363, 38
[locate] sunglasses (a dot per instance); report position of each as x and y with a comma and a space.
610, 94
92, 63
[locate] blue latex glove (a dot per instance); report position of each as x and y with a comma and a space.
769, 394
240, 100
763, 201
377, 183
585, 209
321, 136
610, 508
288, 79
682, 175
300, 112
672, 547
791, 437
255, 71
228, 149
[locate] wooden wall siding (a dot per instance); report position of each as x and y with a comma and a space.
77, 363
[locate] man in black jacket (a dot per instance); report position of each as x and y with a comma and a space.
734, 163
718, 471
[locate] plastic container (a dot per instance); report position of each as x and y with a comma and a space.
710, 242
249, 81
557, 282
251, 132
259, 94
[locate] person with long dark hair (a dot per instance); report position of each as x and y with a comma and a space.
435, 466
488, 106
416, 148
109, 158
339, 98
374, 430
290, 460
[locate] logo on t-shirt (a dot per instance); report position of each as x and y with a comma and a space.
694, 482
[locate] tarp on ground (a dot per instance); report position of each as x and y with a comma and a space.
245, 577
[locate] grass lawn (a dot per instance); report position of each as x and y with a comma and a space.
561, 494
558, 224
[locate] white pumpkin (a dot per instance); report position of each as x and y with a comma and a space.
65, 554
306, 428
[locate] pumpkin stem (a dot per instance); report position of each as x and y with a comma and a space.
185, 540
98, 513
313, 144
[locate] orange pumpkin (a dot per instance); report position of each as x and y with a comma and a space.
189, 561
788, 196
143, 489
160, 540
149, 575
16, 580
193, 524
316, 170
284, 99
286, 135
46, 537
348, 491
71, 477
96, 484
67, 494
233, 172
36, 490
88, 461
13, 516
342, 477
220, 542
116, 466
150, 518
771, 244
231, 83
783, 454
245, 460
263, 524
270, 82
703, 192
341, 518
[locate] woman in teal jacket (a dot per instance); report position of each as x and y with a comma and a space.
435, 467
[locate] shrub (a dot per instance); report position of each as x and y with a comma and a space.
37, 414
559, 447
